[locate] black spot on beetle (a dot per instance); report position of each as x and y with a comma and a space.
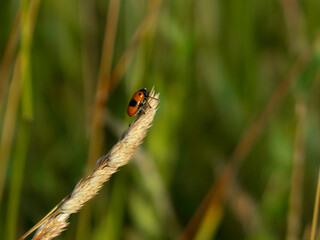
133, 103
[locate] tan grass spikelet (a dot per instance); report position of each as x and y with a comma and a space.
120, 154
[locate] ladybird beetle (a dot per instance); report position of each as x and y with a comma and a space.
137, 102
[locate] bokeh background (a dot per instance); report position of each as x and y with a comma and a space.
234, 148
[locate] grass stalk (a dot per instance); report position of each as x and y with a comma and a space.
56, 221
315, 219
28, 16
12, 45
145, 27
295, 202
89, 50
96, 137
96, 133
27, 26
247, 210
294, 24
19, 157
8, 57
16, 180
9, 123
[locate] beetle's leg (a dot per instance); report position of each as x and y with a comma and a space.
154, 98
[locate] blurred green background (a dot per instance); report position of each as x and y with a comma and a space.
217, 65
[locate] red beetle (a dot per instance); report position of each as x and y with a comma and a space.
137, 102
